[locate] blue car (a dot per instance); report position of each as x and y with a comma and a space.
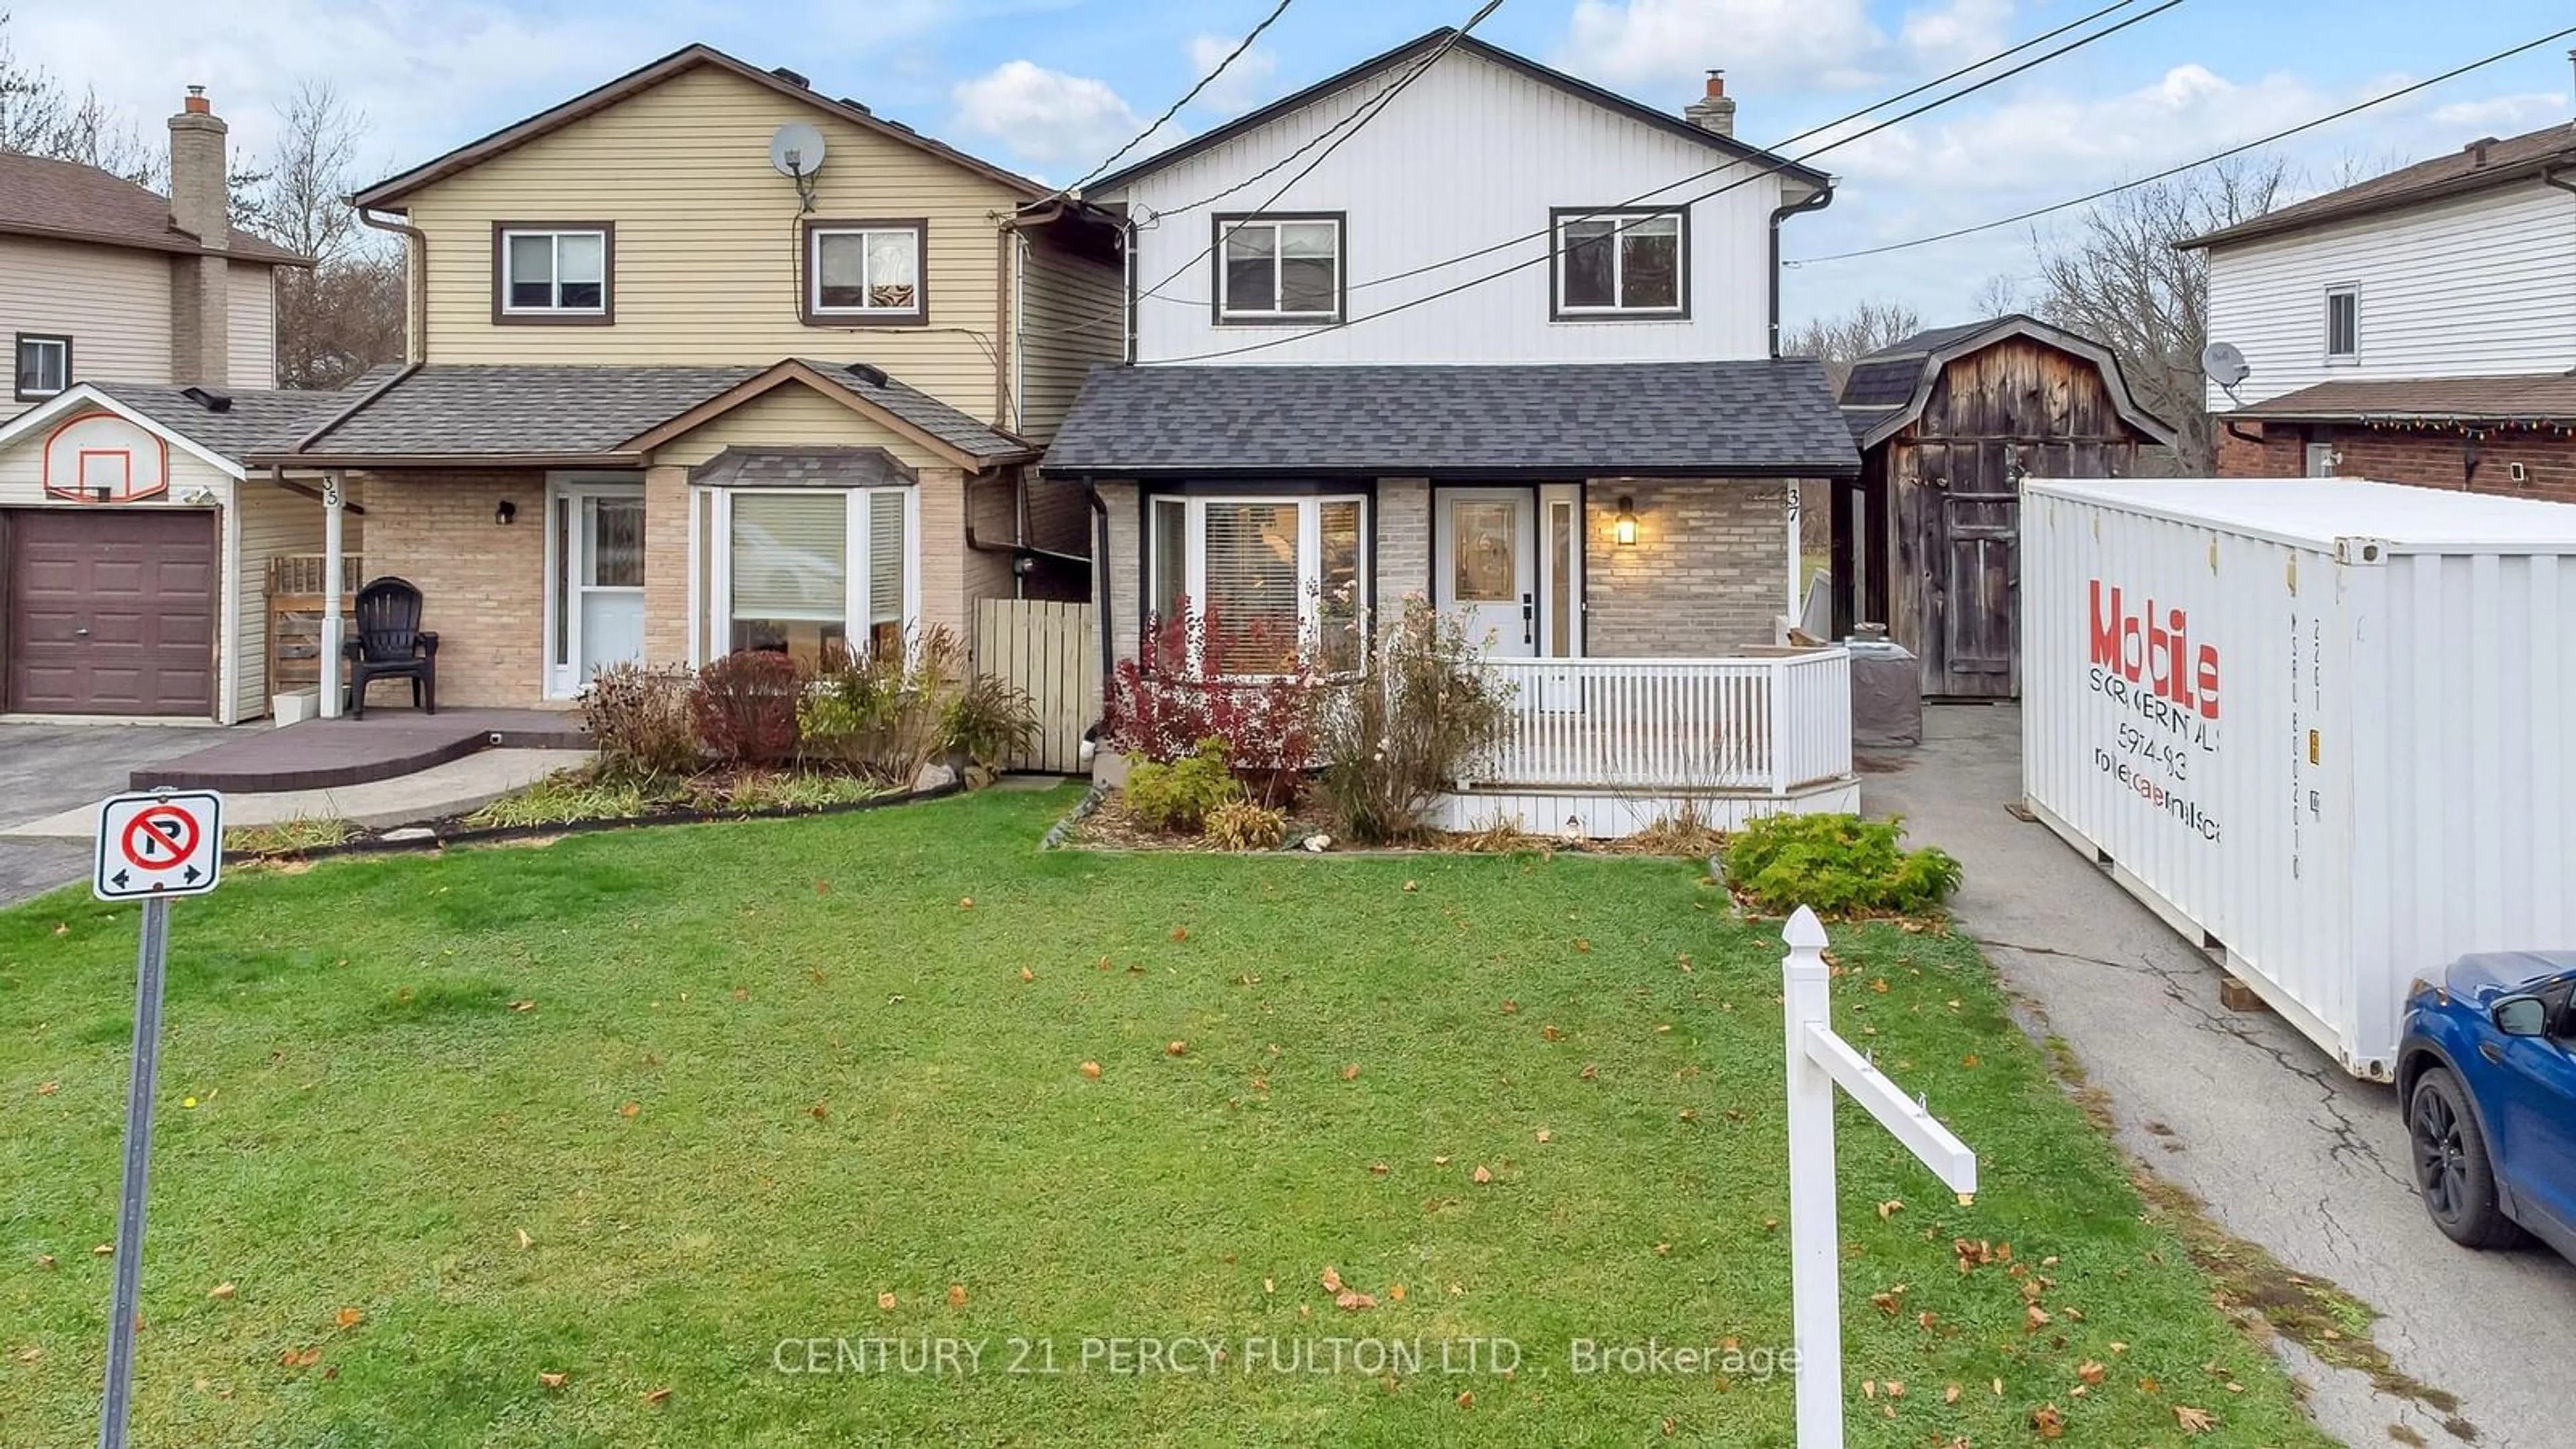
2487, 1073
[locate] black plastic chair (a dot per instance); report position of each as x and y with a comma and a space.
390, 644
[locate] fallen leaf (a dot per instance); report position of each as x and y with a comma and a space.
741, 993
2091, 1372
1663, 1250
1481, 1174
348, 1318
1332, 1280
1950, 1395
523, 1005
1395, 1292
655, 1396
1027, 975
1589, 1072
2050, 1423
630, 1109
1895, 1390
30, 1355
220, 1290
1267, 1286
1441, 1161
301, 1358
1178, 1048
1377, 1169
1969, 1060
956, 1295
188, 1102
1412, 886
1551, 1033
2148, 1385
47, 1089
2193, 1421
1511, 1008
2035, 1318
822, 888
103, 1250
1879, 986
822, 1111
1926, 1319
1180, 933
552, 1381
1091, 1070
1467, 1400
1581, 944
965, 903
61, 929
885, 1302
1890, 1208
44, 1260
1353, 1300
1544, 1134
525, 1242
1887, 1303
1351, 1072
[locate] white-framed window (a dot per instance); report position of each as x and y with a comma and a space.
806, 572
1279, 269
1621, 263
2343, 324
44, 365
1264, 577
553, 272
864, 271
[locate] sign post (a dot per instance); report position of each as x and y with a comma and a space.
151, 848
1818, 1062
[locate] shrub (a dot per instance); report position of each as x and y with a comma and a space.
882, 712
1421, 709
986, 720
1179, 794
744, 706
640, 720
1839, 864
1246, 825
1177, 692
560, 799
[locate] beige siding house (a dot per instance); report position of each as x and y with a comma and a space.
668, 398
134, 541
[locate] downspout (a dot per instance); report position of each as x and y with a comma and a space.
416, 268
1100, 576
1815, 202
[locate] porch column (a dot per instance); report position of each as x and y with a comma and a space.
331, 565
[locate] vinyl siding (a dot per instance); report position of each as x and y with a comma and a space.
251, 298
1470, 154
1074, 319
268, 520
113, 302
707, 266
2482, 285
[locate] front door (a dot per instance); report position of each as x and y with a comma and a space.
596, 536
1485, 561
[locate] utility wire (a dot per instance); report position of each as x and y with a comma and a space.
2174, 171
1175, 108
1625, 225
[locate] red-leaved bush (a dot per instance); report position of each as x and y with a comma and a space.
744, 706
1181, 690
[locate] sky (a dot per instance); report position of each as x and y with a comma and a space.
1051, 87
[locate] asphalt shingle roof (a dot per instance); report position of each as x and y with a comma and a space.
1670, 419
799, 467
260, 420
2548, 397
43, 197
2474, 167
468, 410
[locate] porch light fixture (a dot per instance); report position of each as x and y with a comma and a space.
1623, 529
506, 512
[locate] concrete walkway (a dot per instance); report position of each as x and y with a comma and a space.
454, 788
2288, 1151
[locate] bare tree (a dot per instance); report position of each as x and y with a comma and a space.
1838, 342
2000, 296
346, 313
39, 116
2119, 278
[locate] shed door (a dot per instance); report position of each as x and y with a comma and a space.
1980, 546
110, 611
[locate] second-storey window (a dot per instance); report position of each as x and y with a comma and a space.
2343, 324
552, 273
44, 365
1279, 269
1620, 263
864, 271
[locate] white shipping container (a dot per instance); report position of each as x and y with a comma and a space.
2319, 725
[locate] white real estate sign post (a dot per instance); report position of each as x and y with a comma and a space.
1818, 1062
150, 848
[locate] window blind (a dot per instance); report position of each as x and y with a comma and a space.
886, 554
791, 556
1251, 603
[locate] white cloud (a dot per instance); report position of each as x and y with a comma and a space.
1045, 115
1245, 84
1775, 44
2503, 113
1958, 30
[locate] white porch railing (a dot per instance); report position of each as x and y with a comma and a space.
1768, 721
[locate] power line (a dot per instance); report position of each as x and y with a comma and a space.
2174, 171
1175, 108
1624, 226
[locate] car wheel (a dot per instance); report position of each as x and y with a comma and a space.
2452, 1169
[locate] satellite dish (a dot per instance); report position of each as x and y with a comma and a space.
2224, 364
796, 150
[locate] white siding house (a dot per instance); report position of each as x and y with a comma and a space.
2480, 285
1479, 149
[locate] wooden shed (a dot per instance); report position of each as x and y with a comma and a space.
1949, 422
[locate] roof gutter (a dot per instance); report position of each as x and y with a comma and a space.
1822, 198
416, 279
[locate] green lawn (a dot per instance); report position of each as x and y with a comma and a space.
773, 1070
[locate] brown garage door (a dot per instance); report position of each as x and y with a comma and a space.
110, 611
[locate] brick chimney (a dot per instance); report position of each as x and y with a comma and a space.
200, 204
1714, 111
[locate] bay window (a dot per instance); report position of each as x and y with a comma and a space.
811, 573
1266, 577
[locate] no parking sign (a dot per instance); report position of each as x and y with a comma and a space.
165, 844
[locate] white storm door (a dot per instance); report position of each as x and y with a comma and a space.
1484, 558
595, 534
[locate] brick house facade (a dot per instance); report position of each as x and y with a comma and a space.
2451, 458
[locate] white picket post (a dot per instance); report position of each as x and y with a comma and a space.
1815, 1232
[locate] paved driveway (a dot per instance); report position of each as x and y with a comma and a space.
2288, 1151
47, 768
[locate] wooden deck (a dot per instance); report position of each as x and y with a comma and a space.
323, 754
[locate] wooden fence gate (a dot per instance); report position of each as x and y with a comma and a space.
1050, 651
